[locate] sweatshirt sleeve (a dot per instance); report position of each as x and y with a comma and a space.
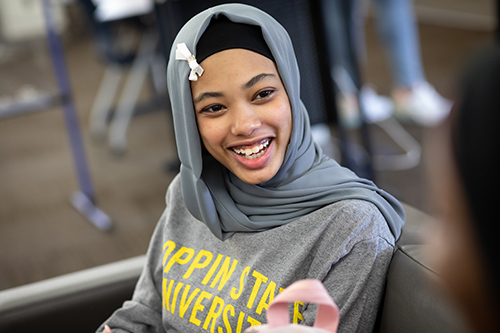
364, 272
144, 312
356, 284
358, 268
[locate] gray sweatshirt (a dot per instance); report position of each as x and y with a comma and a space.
194, 282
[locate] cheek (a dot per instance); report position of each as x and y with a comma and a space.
211, 134
282, 117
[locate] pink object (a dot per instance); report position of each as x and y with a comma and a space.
310, 291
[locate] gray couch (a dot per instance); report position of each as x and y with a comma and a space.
411, 302
79, 302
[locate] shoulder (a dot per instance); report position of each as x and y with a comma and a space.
175, 184
177, 216
354, 220
353, 229
174, 191
176, 210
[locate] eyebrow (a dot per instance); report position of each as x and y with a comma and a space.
206, 95
253, 81
256, 79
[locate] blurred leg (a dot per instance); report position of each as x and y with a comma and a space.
344, 28
399, 33
414, 98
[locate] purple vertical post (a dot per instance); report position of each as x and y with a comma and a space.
83, 200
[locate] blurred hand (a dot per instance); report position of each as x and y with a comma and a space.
293, 328
107, 329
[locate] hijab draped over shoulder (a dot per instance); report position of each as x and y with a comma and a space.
306, 181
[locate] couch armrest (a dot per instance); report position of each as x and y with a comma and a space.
415, 226
76, 302
411, 303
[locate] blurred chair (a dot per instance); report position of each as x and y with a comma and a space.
114, 28
83, 199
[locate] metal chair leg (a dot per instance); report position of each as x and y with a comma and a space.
84, 199
103, 102
130, 94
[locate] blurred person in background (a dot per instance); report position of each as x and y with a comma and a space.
466, 174
413, 98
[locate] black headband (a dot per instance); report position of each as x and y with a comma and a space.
223, 34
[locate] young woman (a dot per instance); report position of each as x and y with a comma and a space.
256, 205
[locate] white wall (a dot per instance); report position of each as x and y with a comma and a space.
22, 20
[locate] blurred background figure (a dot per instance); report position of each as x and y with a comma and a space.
465, 246
412, 98
126, 37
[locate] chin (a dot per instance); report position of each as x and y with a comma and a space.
258, 179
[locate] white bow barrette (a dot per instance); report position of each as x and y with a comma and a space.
182, 53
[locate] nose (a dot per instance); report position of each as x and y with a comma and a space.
245, 121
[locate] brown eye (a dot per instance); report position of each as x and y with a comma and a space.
213, 108
264, 94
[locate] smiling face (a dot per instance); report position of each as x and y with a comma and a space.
243, 113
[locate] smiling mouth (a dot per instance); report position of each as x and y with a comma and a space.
253, 152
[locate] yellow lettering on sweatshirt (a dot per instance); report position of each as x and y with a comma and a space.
229, 309
239, 326
177, 258
225, 272
297, 315
214, 313
170, 246
166, 293
178, 288
259, 278
198, 263
183, 306
235, 293
199, 307
212, 269
267, 296
253, 321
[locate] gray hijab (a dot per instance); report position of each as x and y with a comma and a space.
306, 181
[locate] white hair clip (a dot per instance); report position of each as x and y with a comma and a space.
182, 53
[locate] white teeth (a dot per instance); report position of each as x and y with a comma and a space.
254, 152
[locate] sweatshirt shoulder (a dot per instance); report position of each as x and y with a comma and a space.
174, 190
360, 219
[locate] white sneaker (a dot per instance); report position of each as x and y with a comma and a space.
423, 105
348, 111
376, 107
